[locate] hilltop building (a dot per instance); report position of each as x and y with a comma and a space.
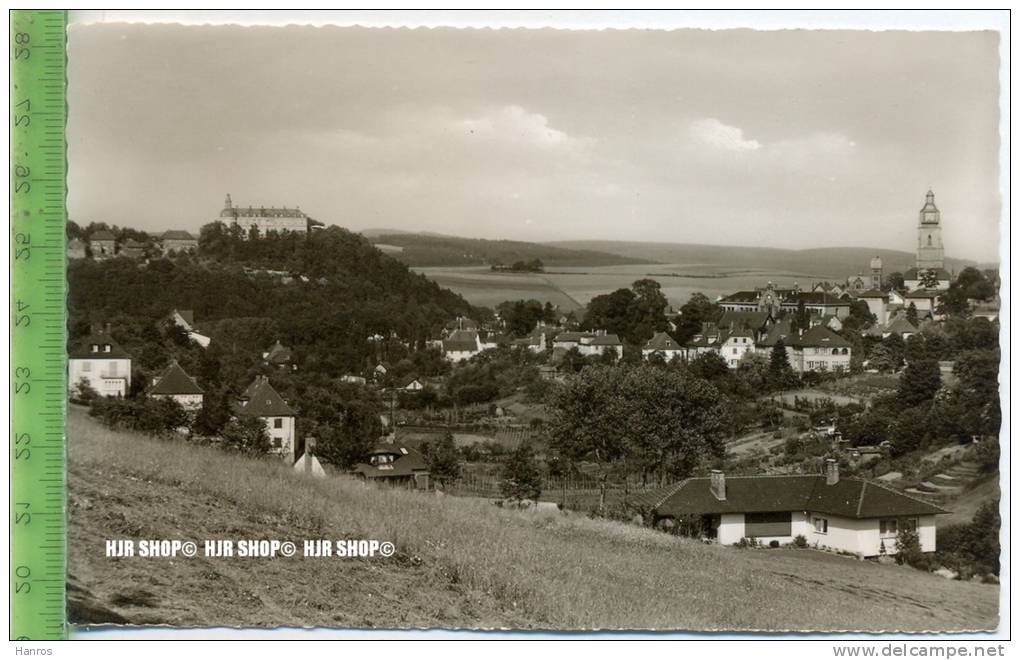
266, 219
100, 362
260, 400
177, 385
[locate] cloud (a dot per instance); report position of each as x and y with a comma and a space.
715, 133
512, 123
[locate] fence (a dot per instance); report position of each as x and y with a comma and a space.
580, 493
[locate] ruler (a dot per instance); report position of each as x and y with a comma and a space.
37, 463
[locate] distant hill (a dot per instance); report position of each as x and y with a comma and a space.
821, 262
422, 250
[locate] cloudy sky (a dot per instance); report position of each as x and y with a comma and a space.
783, 139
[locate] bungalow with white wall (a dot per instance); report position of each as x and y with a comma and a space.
177, 385
101, 363
262, 401
848, 514
598, 342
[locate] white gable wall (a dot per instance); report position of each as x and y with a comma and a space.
859, 536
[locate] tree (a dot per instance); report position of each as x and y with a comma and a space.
919, 383
697, 310
908, 547
928, 278
882, 359
666, 421
444, 461
912, 315
894, 281
780, 372
909, 430
247, 435
521, 477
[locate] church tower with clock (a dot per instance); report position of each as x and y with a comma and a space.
929, 236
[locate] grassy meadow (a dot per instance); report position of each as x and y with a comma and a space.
573, 287
460, 562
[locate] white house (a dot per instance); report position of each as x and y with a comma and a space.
849, 514
462, 345
177, 385
819, 349
185, 319
878, 304
262, 401
731, 345
99, 361
664, 345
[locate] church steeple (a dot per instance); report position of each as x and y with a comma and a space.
929, 235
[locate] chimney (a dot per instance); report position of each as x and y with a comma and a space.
718, 485
831, 472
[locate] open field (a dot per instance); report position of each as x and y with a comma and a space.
459, 562
573, 287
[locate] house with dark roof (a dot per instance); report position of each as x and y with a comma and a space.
819, 349
834, 513
898, 325
178, 240
132, 249
462, 345
393, 464
103, 244
98, 361
279, 356
731, 344
775, 301
177, 385
664, 345
261, 401
925, 301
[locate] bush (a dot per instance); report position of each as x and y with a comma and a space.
908, 549
800, 541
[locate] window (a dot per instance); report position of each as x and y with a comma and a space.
887, 527
277, 443
106, 348
112, 367
772, 523
278, 423
821, 525
95, 348
734, 351
86, 366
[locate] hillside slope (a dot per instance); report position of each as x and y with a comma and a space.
821, 262
459, 562
423, 250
